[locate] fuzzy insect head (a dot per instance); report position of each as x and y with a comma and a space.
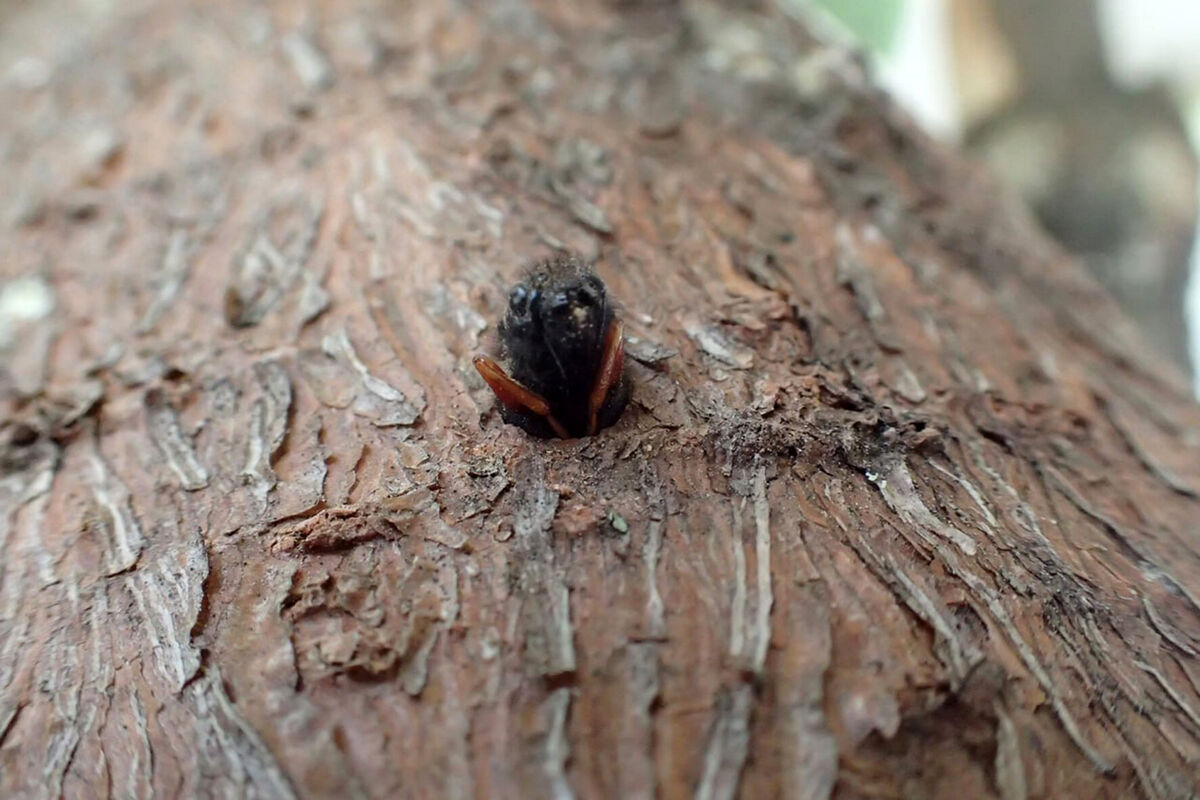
564, 353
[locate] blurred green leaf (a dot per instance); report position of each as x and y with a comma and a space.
874, 22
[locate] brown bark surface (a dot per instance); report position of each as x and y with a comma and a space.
901, 507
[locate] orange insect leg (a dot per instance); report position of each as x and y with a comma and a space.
609, 373
514, 395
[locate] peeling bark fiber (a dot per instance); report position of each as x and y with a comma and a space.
901, 506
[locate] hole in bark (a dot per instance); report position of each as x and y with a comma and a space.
560, 680
22, 435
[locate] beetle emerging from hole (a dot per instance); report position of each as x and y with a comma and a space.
562, 343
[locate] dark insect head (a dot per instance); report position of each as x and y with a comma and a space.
562, 311
563, 350
544, 292
574, 309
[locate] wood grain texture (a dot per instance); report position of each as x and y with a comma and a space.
901, 507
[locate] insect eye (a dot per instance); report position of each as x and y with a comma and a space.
518, 300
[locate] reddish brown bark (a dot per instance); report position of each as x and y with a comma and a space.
900, 508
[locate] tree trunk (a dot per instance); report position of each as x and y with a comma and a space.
901, 506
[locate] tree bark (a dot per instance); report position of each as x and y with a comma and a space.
901, 506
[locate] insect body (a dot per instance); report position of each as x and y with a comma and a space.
564, 351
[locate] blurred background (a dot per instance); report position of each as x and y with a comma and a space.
1090, 109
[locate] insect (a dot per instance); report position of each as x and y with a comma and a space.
563, 346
